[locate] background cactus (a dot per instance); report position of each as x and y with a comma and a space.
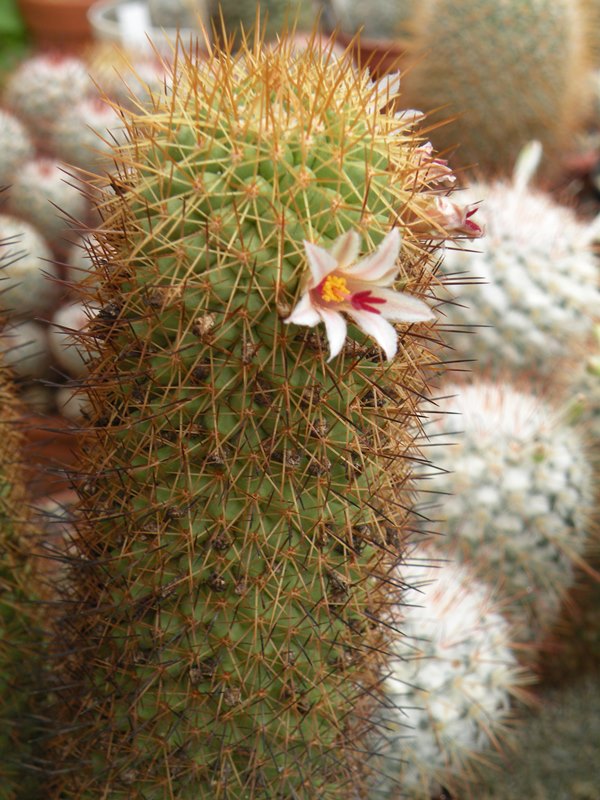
24, 347
85, 134
15, 147
508, 70
223, 609
124, 79
451, 681
177, 13
27, 270
277, 16
556, 749
531, 295
46, 195
518, 494
581, 389
68, 323
378, 19
43, 88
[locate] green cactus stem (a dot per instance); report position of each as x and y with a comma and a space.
223, 609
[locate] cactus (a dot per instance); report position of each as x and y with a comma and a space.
20, 617
43, 88
556, 752
533, 292
44, 194
377, 19
123, 80
85, 134
27, 284
72, 405
78, 265
591, 9
574, 640
279, 16
506, 71
450, 684
581, 389
177, 13
69, 323
517, 494
24, 348
15, 147
223, 611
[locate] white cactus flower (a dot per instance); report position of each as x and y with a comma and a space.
340, 285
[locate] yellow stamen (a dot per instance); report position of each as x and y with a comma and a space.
334, 289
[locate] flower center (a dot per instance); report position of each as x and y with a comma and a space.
334, 289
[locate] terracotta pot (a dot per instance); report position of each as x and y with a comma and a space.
381, 56
58, 24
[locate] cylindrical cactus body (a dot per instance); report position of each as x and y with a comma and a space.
224, 609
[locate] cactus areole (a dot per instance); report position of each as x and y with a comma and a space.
224, 607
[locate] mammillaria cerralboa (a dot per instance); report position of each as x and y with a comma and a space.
229, 481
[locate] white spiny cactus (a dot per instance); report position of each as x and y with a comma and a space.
79, 263
24, 347
515, 494
450, 682
529, 288
84, 135
69, 352
27, 273
44, 87
16, 147
44, 194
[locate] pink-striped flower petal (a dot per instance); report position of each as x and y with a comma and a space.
336, 328
380, 263
402, 307
378, 328
345, 249
304, 313
320, 261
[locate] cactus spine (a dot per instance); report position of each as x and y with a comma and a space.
223, 609
511, 70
